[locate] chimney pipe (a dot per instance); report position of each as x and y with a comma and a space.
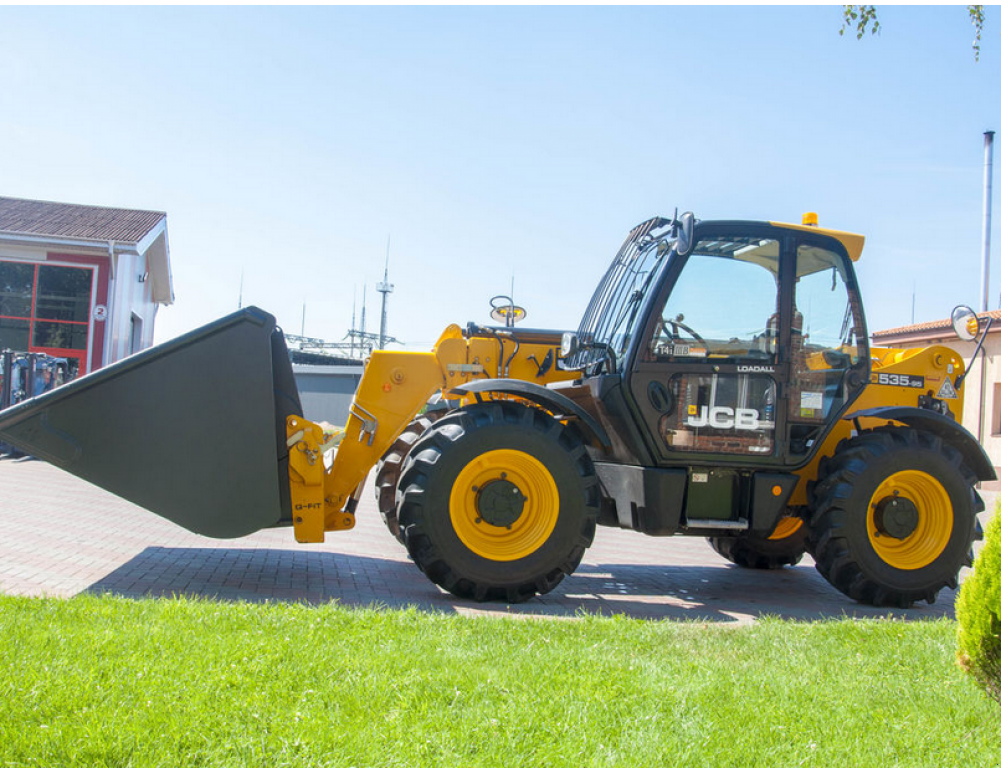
985, 270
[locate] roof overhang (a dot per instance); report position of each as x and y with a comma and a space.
153, 245
933, 336
104, 247
935, 332
157, 251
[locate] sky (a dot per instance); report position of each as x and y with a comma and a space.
499, 146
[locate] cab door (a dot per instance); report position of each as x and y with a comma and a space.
748, 354
709, 372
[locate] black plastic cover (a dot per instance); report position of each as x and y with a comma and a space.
647, 499
544, 396
948, 429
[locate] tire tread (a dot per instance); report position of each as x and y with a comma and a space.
833, 499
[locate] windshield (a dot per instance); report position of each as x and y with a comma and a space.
610, 319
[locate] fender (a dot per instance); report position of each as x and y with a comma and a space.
547, 398
952, 432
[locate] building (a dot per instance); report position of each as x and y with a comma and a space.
982, 403
81, 282
326, 391
326, 383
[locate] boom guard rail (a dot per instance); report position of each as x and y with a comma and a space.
192, 429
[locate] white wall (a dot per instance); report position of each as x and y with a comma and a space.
981, 407
129, 296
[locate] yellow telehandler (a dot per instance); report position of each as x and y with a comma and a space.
720, 384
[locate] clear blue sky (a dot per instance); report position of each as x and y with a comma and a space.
286, 144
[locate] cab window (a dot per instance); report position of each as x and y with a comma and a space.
723, 306
823, 341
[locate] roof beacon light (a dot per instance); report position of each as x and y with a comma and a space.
810, 220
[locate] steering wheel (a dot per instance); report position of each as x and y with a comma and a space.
671, 328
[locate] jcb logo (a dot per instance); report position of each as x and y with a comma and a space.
724, 418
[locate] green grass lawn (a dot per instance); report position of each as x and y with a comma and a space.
109, 681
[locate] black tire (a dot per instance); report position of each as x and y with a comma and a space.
452, 479
387, 471
762, 552
931, 520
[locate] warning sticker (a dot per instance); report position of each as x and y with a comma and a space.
813, 401
947, 391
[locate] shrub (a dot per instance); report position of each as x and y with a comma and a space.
978, 611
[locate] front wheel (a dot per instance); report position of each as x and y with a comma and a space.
895, 517
498, 501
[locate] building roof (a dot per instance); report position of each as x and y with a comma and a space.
932, 328
38, 217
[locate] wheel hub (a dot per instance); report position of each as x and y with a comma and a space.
896, 517
500, 503
504, 504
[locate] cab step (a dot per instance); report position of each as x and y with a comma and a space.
721, 525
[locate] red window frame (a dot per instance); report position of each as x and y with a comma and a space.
80, 355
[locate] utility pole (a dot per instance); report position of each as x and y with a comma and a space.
385, 288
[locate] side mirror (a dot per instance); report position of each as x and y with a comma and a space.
686, 234
569, 344
965, 323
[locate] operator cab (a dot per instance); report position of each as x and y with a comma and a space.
716, 351
739, 341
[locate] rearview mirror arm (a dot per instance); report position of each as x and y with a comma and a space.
973, 360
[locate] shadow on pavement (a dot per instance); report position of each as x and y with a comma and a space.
721, 594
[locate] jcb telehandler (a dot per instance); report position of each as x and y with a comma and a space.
720, 384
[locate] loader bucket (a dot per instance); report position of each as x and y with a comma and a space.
192, 429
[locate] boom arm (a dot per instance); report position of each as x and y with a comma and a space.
392, 391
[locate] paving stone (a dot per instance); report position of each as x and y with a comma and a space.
60, 536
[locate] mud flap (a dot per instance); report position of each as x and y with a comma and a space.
192, 429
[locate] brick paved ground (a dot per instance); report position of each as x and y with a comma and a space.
61, 536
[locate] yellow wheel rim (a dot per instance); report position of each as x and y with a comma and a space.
909, 520
504, 505
787, 527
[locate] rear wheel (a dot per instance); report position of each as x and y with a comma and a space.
498, 501
387, 473
895, 517
785, 546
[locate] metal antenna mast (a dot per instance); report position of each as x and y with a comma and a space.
354, 306
385, 288
364, 300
